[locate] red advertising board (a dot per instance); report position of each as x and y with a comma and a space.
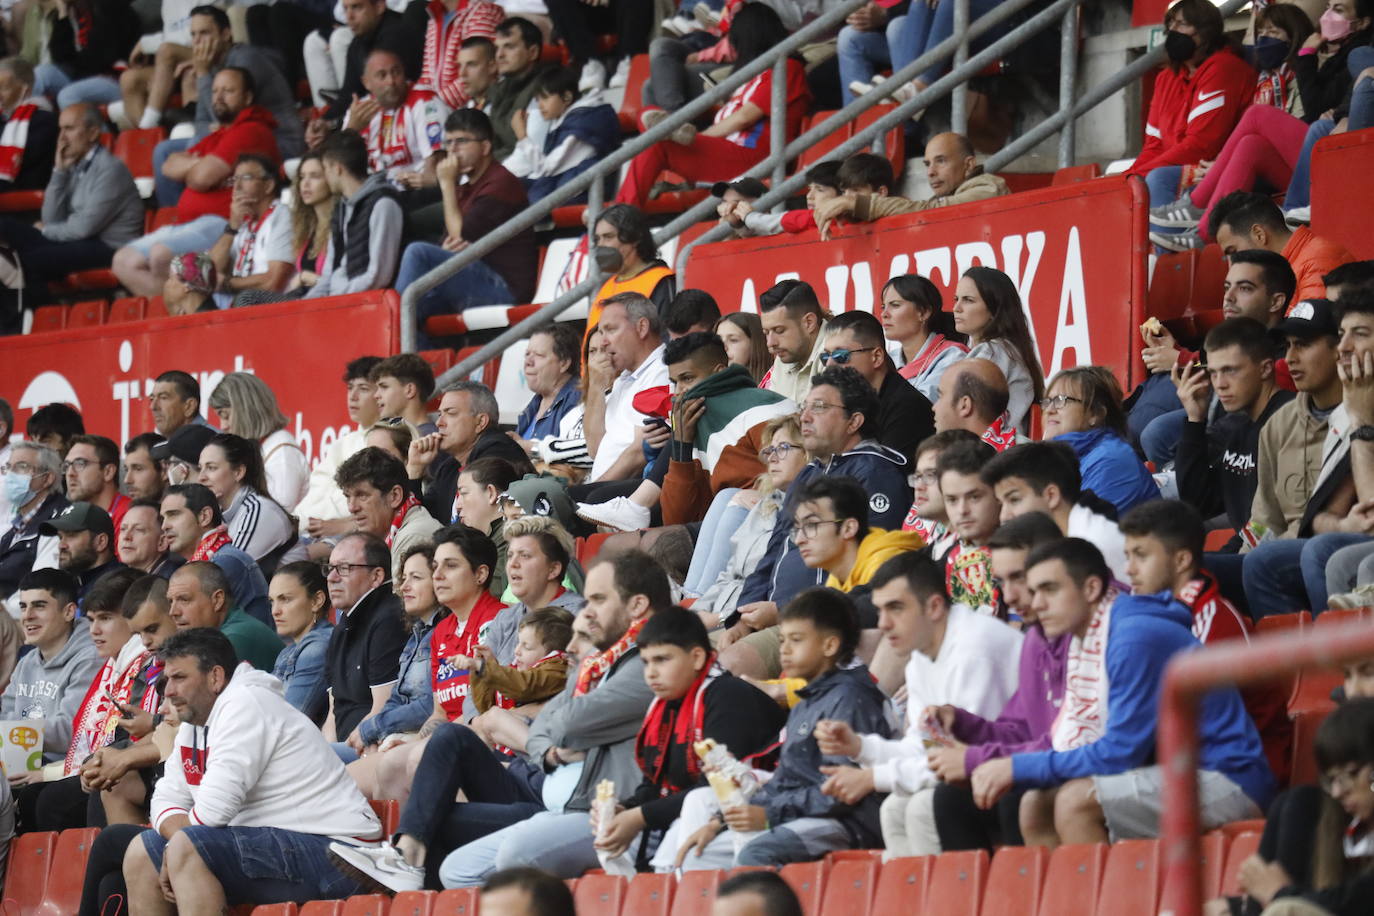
299, 348
1077, 255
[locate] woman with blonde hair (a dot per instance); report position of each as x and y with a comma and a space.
248, 408
312, 211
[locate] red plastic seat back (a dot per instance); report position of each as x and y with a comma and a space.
902, 885
135, 148
648, 895
850, 885
459, 901
599, 894
413, 903
1130, 883
696, 891
26, 877
1015, 878
807, 880
956, 882
133, 308
87, 314
68, 871
1072, 880
366, 905
1243, 846
49, 318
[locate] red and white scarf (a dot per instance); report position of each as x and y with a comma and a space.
247, 239
211, 544
13, 137
594, 667
98, 716
684, 730
1001, 435
1082, 716
399, 518
935, 345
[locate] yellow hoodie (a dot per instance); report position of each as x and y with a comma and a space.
875, 550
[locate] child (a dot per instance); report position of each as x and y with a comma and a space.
505, 696
822, 184
581, 131
788, 819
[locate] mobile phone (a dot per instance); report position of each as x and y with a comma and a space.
656, 421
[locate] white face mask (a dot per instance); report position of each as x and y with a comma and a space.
18, 488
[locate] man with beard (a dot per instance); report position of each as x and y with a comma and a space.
402, 124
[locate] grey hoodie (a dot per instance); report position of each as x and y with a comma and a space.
504, 632
52, 689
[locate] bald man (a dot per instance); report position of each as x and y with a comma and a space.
955, 178
973, 396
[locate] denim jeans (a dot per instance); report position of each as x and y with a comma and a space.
94, 90
200, 234
1316, 559
1160, 437
1290, 575
1162, 183
863, 54
1157, 397
167, 191
560, 844
476, 284
923, 28
713, 541
1362, 96
1344, 566
1300, 185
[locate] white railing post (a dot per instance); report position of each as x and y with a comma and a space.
958, 100
1068, 78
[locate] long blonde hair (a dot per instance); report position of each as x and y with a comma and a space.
309, 233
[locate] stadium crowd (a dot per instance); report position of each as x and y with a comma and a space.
939, 588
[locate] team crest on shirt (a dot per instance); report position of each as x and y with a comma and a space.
879, 503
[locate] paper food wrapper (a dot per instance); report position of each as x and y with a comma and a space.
733, 782
604, 806
21, 746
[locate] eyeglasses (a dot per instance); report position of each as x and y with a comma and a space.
1342, 781
21, 467
1058, 402
80, 464
820, 407
929, 478
841, 356
244, 179
779, 451
455, 142
810, 529
345, 569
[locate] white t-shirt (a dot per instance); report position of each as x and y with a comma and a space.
621, 417
288, 473
257, 243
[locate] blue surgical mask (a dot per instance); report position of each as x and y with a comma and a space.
18, 489
1268, 52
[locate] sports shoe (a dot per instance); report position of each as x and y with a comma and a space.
620, 513
593, 76
622, 74
1181, 214
1362, 596
684, 134
381, 869
1189, 240
708, 17
1298, 216
681, 25
863, 87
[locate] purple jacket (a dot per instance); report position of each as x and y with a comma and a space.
1024, 724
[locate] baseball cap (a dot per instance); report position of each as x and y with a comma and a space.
197, 271
745, 187
543, 494
1310, 318
185, 444
79, 516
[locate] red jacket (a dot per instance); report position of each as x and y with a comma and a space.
1193, 114
1312, 257
252, 131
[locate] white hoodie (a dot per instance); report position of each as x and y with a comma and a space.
259, 762
1098, 529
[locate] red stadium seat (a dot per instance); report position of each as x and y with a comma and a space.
1217, 538
894, 141
389, 811
902, 885
31, 856
1304, 762
21, 201
85, 281
1073, 174
956, 883
1236, 828
440, 361
864, 855
49, 318
322, 908
648, 895
366, 905
87, 314
599, 894
275, 909
413, 903
588, 546
695, 892
135, 149
460, 901
1205, 321
807, 880
1167, 296
157, 308
633, 103
63, 894
1213, 861
134, 308
1072, 880
1130, 883
1243, 846
849, 886
1014, 880
1344, 615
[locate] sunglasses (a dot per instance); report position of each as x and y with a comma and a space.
841, 356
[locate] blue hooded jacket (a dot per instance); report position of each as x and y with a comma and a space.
1144, 633
598, 126
1111, 468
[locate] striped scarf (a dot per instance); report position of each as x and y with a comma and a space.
594, 667
13, 138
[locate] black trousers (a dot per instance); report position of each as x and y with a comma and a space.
59, 805
282, 27
103, 893
630, 21
963, 825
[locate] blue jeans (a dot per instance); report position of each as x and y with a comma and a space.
560, 844
95, 90
1362, 96
1157, 397
476, 284
1316, 556
1290, 575
200, 234
258, 865
713, 541
167, 191
1300, 185
1162, 183
923, 28
863, 54
1160, 437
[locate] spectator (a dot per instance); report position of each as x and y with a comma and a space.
198, 595
243, 126
1354, 275
365, 238
955, 178
1245, 219
195, 530
152, 75
738, 138
1046, 477
1088, 787
144, 476
625, 250
549, 429
1181, 130
55, 425
766, 893
793, 325
958, 658
91, 471
1082, 408
242, 713
511, 99
973, 511
28, 129
1164, 543
31, 480
849, 553
248, 408
257, 254
312, 213
402, 386
822, 184
973, 397
175, 402
369, 25
181, 453
527, 892
401, 123
50, 681
632, 329
866, 45
87, 40
191, 285
280, 29
140, 544
323, 511
479, 194
1216, 461
362, 660
477, 74
85, 544
374, 485
988, 309
904, 414
445, 32
692, 311
300, 602
914, 318
539, 554
742, 334
628, 21
578, 132
468, 417
477, 504
231, 466
927, 516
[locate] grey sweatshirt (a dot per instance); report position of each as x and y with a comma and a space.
384, 226
504, 632
96, 198
52, 689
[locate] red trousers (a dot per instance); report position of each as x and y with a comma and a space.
706, 159
1265, 145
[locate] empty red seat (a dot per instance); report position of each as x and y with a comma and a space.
132, 308
21, 201
1167, 296
63, 892
1243, 846
648, 895
695, 892
389, 812
366, 905
902, 885
599, 894
413, 903
275, 909
459, 901
26, 877
322, 908
49, 318
135, 149
807, 880
632, 105
1014, 880
1130, 882
956, 883
87, 314
83, 281
1072, 879
850, 885
440, 361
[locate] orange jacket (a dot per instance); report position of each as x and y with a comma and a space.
1312, 258
688, 490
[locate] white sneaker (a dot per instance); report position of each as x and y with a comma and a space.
708, 17
621, 514
117, 116
1298, 216
381, 869
862, 87
681, 25
593, 76
621, 75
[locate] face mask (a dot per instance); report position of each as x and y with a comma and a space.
17, 489
1334, 26
608, 260
1268, 53
1179, 47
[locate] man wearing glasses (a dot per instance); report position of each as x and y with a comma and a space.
30, 482
363, 660
92, 472
256, 250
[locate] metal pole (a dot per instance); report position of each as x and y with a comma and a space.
595, 205
1068, 78
958, 101
778, 119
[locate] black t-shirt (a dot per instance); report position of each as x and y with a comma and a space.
905, 416
364, 652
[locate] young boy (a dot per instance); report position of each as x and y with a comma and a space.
822, 184
581, 131
402, 385
927, 514
789, 819
1164, 543
973, 512
509, 697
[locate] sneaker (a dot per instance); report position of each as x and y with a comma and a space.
1362, 596
1189, 240
380, 869
651, 117
863, 87
620, 514
1298, 216
1181, 214
622, 74
593, 76
708, 17
681, 25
